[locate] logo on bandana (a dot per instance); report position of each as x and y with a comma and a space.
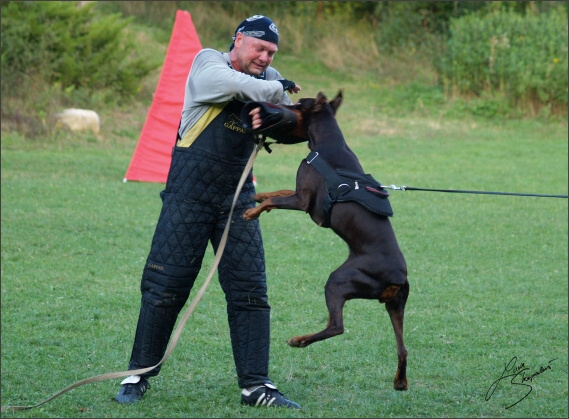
260, 27
273, 27
254, 34
256, 17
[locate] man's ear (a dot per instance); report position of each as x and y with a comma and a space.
238, 39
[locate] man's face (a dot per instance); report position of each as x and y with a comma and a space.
253, 55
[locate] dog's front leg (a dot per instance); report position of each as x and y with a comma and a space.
260, 197
282, 200
253, 213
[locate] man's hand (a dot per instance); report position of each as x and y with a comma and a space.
255, 115
296, 89
290, 86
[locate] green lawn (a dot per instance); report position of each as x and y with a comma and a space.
488, 277
488, 273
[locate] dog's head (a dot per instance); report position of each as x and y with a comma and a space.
289, 124
309, 106
309, 109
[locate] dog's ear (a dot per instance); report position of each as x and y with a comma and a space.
321, 101
336, 102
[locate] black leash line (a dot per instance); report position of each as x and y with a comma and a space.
409, 188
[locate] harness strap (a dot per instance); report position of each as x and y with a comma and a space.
331, 177
344, 186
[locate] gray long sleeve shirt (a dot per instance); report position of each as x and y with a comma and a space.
212, 80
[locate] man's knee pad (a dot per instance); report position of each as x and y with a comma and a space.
165, 285
245, 291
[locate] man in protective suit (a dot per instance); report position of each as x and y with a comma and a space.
208, 159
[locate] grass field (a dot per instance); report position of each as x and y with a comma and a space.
488, 274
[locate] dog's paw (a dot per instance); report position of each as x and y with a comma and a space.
296, 342
249, 214
401, 385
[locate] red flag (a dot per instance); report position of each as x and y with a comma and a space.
151, 159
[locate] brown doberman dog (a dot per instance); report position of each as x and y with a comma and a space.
375, 268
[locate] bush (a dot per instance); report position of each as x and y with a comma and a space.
68, 45
522, 58
56, 53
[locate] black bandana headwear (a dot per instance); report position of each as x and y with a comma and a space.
260, 27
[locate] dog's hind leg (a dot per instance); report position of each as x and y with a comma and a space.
396, 309
338, 290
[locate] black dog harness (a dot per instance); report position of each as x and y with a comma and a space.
345, 186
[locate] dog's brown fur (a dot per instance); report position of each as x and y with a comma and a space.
375, 268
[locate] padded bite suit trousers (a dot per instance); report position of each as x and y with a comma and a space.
195, 209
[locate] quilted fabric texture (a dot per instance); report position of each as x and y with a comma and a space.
196, 204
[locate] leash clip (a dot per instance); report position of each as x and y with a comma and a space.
397, 188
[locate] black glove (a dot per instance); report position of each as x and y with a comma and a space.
287, 84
